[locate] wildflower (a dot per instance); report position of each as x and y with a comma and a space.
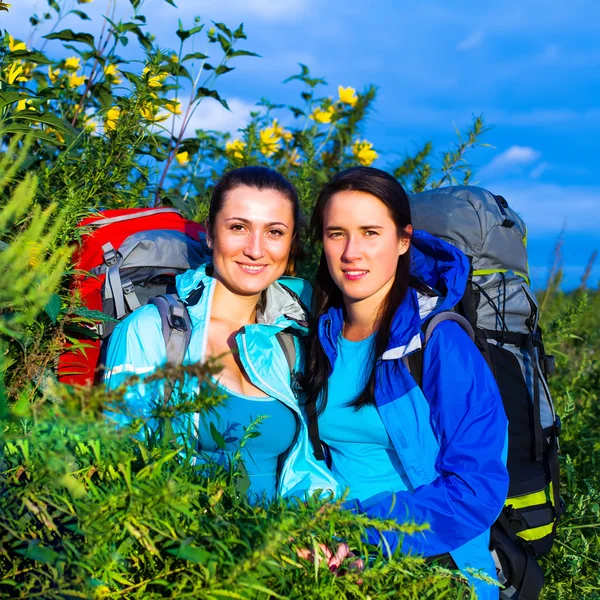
72, 63
235, 148
150, 113
347, 95
269, 140
182, 158
280, 131
294, 158
155, 81
364, 153
112, 116
59, 136
15, 73
24, 104
174, 58
14, 45
76, 80
173, 106
53, 75
5, 6
112, 74
323, 115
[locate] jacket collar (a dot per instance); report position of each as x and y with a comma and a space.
281, 307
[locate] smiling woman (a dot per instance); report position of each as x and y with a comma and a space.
243, 310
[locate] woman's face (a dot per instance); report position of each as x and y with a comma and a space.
361, 245
251, 239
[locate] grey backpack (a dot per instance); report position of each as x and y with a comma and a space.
504, 314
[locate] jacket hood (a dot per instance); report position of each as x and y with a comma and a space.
438, 265
281, 306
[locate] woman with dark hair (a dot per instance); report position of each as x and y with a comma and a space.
434, 455
242, 303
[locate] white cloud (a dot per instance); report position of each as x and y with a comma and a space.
474, 40
269, 10
539, 170
211, 115
547, 207
510, 161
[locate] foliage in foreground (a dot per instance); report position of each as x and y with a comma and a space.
86, 510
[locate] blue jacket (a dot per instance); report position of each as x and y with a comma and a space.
137, 348
450, 436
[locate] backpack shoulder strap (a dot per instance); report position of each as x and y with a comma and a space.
176, 329
414, 361
286, 341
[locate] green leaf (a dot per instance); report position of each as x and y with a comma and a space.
243, 53
135, 3
222, 69
194, 55
52, 309
206, 93
35, 551
191, 553
94, 315
80, 14
222, 27
45, 119
40, 136
171, 3
239, 33
68, 35
217, 437
34, 57
7, 98
225, 43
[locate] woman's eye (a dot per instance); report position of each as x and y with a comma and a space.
335, 234
371, 232
237, 227
276, 232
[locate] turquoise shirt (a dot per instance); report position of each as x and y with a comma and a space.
363, 456
260, 453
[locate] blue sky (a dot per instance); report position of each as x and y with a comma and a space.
531, 67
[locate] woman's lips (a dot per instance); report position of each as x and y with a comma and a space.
252, 269
354, 274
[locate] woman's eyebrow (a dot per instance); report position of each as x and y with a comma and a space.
363, 227
249, 222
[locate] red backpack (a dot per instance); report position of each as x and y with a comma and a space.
125, 258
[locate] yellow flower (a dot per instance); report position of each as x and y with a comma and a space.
15, 73
59, 136
150, 112
112, 116
5, 6
347, 95
72, 63
76, 80
364, 153
174, 58
183, 158
24, 104
323, 115
235, 148
269, 140
294, 158
14, 45
83, 1
173, 106
112, 73
282, 132
155, 81
53, 75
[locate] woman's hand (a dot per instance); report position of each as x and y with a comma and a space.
334, 559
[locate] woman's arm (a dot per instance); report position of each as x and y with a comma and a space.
468, 419
136, 348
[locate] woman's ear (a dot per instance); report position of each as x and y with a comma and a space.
404, 241
209, 241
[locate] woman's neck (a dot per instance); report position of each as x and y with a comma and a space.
233, 308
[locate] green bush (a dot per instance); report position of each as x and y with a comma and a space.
90, 511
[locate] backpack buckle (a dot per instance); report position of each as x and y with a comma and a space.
176, 319
127, 287
109, 255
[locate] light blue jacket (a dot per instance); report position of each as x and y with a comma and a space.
137, 347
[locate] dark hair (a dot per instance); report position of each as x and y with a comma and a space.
260, 178
326, 293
